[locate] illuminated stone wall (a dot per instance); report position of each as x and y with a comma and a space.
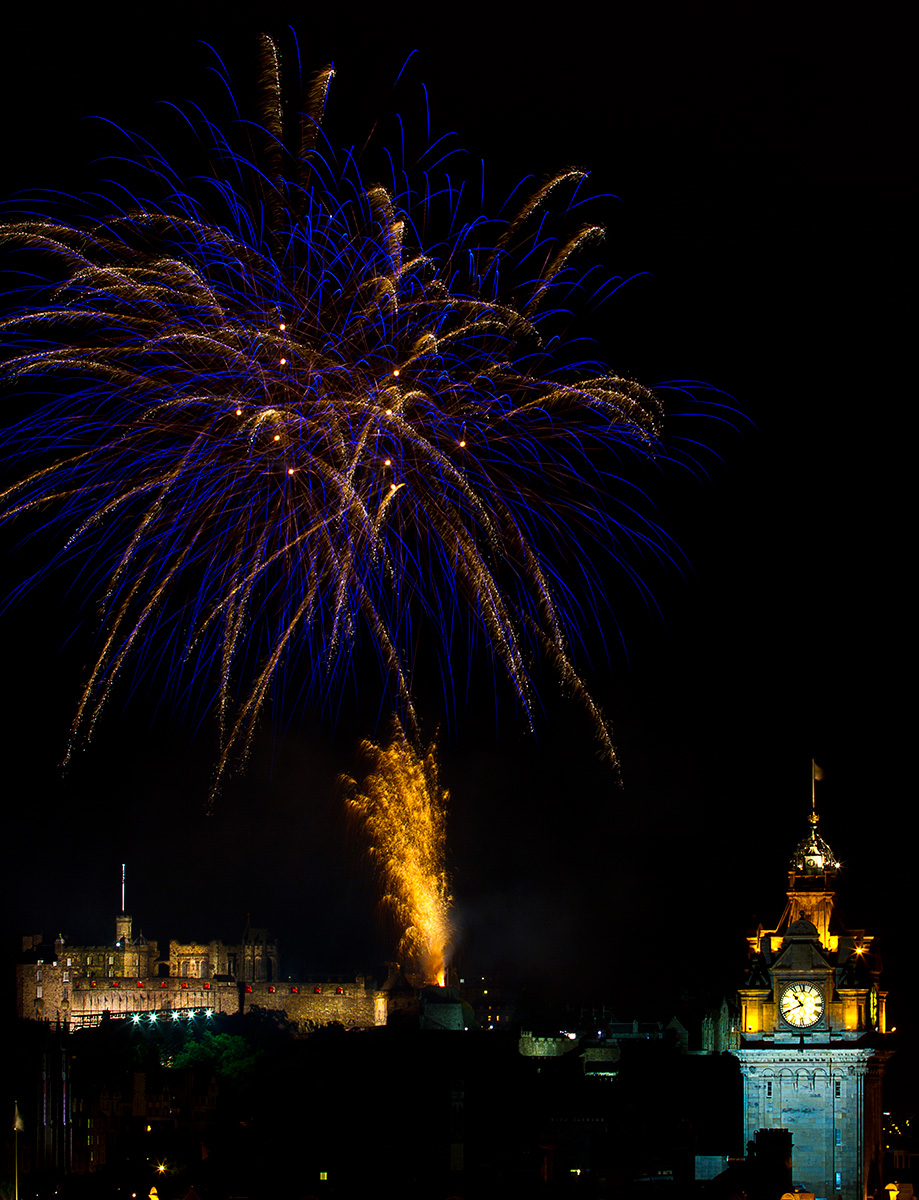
76, 986
824, 1096
314, 1002
544, 1047
73, 997
198, 960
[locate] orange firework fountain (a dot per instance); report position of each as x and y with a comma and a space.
403, 810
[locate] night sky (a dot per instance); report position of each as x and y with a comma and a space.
756, 175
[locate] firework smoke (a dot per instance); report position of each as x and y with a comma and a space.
403, 812
291, 408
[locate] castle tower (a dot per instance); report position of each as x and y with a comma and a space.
812, 1034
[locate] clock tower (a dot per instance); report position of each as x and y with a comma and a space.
813, 1028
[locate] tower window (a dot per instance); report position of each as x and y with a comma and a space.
769, 1090
838, 1180
838, 1137
837, 1088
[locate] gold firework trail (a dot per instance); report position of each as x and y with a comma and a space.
402, 809
281, 419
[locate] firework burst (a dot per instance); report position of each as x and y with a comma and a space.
288, 410
403, 811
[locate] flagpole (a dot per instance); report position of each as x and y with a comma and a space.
17, 1125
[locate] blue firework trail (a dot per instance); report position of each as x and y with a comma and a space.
311, 415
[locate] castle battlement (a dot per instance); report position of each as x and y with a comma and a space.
78, 986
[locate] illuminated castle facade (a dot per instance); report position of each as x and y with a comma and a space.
813, 1026
76, 986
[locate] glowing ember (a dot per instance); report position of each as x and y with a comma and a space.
403, 811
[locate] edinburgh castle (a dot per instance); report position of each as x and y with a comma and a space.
77, 986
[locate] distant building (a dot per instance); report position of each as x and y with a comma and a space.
76, 986
813, 1026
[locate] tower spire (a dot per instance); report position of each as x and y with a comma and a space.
811, 874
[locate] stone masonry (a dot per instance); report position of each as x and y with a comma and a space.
77, 986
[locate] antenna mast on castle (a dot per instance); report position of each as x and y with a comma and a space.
122, 887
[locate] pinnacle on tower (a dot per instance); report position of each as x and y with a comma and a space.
812, 855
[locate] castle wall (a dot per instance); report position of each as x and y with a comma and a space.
320, 1002
83, 984
198, 960
53, 992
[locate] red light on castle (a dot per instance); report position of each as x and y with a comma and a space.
115, 983
207, 985
184, 984
92, 983
272, 988
140, 983
339, 991
163, 984
248, 987
295, 990
318, 991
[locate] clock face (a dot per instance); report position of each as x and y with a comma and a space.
801, 1005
